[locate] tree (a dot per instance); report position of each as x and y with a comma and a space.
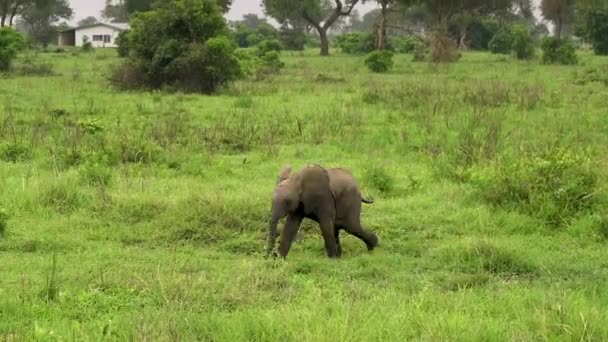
133, 6
560, 13
40, 16
115, 11
182, 44
87, 21
318, 13
597, 26
442, 13
10, 43
10, 9
380, 27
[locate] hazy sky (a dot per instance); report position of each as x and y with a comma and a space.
85, 8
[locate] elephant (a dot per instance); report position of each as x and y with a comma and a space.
330, 197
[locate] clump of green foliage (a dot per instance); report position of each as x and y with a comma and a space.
404, 44
553, 186
597, 24
11, 42
87, 46
592, 74
559, 51
355, 43
502, 42
523, 43
123, 43
267, 46
380, 61
182, 44
15, 152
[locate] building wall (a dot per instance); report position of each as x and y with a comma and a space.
91, 32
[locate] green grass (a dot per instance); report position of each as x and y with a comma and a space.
154, 205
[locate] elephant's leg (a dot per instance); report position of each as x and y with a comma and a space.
292, 224
337, 237
371, 239
327, 230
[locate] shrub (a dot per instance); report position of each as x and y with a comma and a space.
419, 53
248, 61
553, 186
122, 41
267, 46
87, 46
597, 23
3, 222
15, 152
523, 44
356, 43
443, 48
404, 44
292, 38
181, 44
502, 42
559, 51
11, 43
380, 61
272, 60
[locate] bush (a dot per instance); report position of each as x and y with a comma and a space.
272, 60
292, 38
523, 44
11, 43
268, 46
559, 51
15, 152
419, 53
405, 44
552, 186
181, 44
123, 43
443, 48
87, 46
502, 42
597, 23
356, 43
379, 61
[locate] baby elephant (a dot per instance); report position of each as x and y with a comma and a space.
330, 197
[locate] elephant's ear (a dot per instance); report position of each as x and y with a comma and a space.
284, 174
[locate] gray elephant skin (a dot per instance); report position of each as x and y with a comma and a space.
330, 197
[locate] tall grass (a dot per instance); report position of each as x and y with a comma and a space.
156, 203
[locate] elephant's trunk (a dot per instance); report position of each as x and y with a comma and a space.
273, 231
271, 238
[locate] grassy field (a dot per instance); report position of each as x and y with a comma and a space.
141, 216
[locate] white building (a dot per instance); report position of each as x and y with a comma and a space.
99, 34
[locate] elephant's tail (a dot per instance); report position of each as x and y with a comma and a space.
368, 201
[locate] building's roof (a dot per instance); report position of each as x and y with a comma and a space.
116, 26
